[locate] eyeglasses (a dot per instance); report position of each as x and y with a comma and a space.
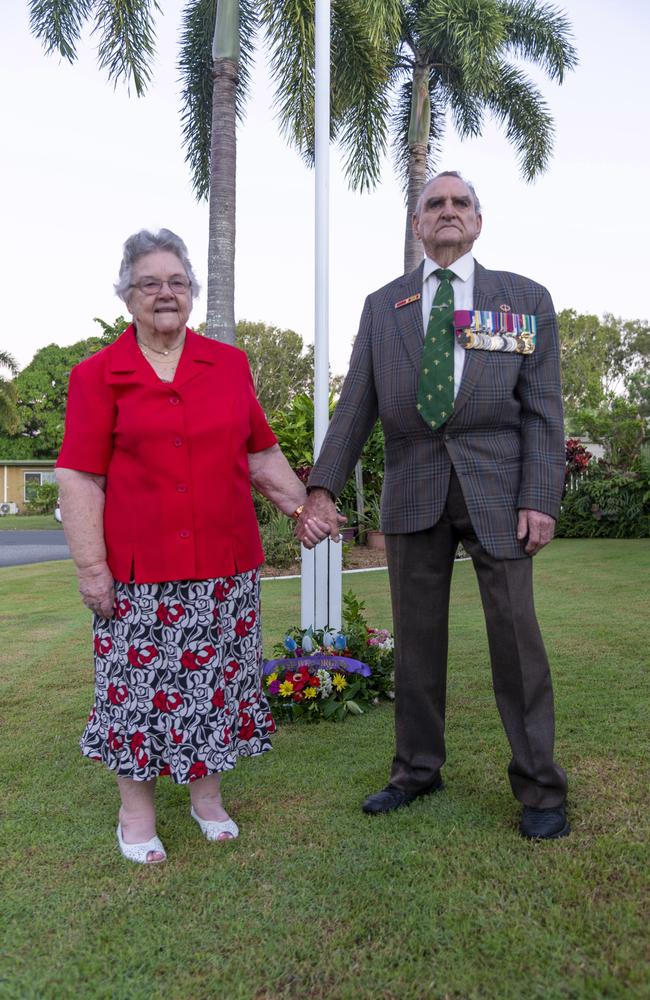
151, 286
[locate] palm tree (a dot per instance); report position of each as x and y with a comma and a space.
8, 411
217, 43
450, 59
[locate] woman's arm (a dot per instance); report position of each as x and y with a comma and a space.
273, 477
82, 512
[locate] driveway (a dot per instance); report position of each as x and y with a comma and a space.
19, 547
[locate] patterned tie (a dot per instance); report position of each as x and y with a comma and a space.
436, 385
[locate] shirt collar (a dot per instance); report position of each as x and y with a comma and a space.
463, 268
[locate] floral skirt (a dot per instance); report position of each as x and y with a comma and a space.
178, 679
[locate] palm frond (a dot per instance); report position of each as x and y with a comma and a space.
465, 34
466, 107
8, 361
518, 104
542, 33
195, 65
289, 26
57, 24
127, 40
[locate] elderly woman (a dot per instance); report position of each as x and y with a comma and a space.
163, 439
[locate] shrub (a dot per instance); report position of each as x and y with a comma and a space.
607, 503
281, 547
44, 499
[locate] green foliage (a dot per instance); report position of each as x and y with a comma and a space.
281, 547
281, 367
618, 426
43, 499
8, 396
602, 359
607, 503
42, 391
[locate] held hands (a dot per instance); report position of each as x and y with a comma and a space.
538, 527
319, 519
97, 589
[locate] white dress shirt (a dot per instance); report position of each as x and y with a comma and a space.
463, 286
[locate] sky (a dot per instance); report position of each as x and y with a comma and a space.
84, 165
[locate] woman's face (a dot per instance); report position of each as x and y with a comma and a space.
164, 312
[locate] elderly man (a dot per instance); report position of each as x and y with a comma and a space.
461, 365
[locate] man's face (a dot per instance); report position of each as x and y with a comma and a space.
447, 222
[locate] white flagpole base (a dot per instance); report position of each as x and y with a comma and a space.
321, 586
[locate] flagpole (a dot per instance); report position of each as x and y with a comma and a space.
321, 568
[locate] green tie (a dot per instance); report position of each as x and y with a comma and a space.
436, 385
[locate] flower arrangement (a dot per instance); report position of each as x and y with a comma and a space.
324, 674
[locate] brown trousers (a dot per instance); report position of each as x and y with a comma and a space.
420, 567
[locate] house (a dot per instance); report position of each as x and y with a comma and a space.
18, 480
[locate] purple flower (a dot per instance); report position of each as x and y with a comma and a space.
274, 687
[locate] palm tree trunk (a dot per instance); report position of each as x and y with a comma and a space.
220, 319
418, 140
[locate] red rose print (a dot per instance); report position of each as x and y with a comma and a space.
115, 742
244, 625
93, 713
166, 703
170, 615
176, 736
138, 657
121, 608
227, 735
222, 588
194, 660
136, 741
141, 758
218, 698
117, 695
231, 669
197, 770
103, 644
246, 726
270, 723
166, 770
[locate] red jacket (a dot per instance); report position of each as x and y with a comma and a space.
175, 457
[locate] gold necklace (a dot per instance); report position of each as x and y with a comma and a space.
142, 346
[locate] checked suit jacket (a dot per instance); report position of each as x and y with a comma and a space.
505, 437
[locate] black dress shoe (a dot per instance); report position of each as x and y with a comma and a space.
544, 824
390, 798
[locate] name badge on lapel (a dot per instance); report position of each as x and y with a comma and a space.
513, 333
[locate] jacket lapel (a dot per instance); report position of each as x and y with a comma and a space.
127, 365
408, 318
197, 354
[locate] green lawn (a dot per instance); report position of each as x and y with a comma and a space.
315, 899
29, 522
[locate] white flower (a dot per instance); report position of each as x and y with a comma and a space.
325, 683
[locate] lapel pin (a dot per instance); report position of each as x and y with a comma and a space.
407, 302
504, 308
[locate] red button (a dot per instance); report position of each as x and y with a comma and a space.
177, 442
184, 534
181, 488
174, 400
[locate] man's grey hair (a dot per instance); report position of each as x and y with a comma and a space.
449, 173
146, 242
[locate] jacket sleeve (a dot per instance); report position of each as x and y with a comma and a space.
542, 425
354, 416
89, 421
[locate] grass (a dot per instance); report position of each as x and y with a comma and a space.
316, 900
29, 522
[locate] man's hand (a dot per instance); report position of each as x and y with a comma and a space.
319, 519
97, 589
539, 528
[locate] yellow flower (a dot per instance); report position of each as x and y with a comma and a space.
309, 692
286, 688
339, 682
271, 678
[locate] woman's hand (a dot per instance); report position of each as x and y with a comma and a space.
319, 519
97, 589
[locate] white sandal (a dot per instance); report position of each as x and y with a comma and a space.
212, 828
139, 852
